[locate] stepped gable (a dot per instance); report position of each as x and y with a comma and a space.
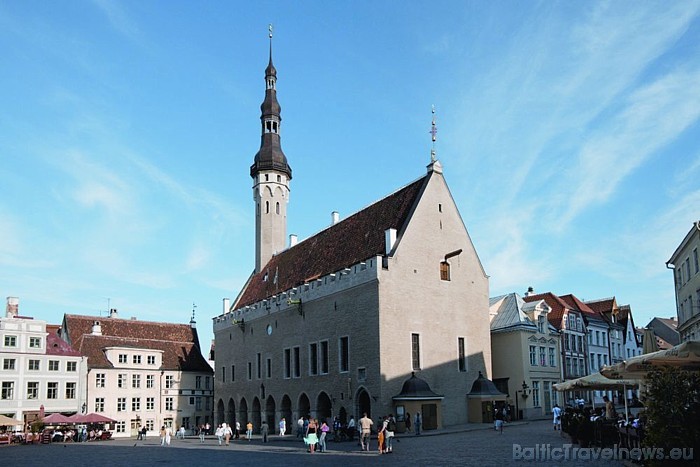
350, 241
178, 342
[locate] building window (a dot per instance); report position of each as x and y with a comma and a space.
198, 404
324, 357
568, 366
150, 424
35, 342
313, 359
135, 381
600, 360
150, 403
100, 380
250, 371
233, 373
461, 357
259, 365
54, 365
287, 363
169, 381
136, 359
8, 364
122, 358
696, 261
10, 341
536, 393
121, 380
191, 400
533, 355
207, 382
70, 390
687, 268
99, 404
592, 362
552, 359
362, 374
168, 403
223, 374
574, 369
198, 382
444, 271
415, 351
343, 354
277, 208
543, 357
151, 359
121, 404
135, 404
72, 366
297, 362
52, 390
33, 390
8, 390
540, 324
269, 368
34, 365
120, 427
149, 381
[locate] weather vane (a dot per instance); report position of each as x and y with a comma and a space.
193, 308
433, 132
269, 28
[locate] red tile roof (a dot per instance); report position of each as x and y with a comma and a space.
557, 305
605, 305
179, 342
351, 241
57, 346
576, 304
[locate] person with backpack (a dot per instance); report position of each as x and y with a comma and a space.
390, 431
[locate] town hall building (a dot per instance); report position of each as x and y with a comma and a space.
385, 311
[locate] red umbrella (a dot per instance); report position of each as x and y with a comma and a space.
56, 418
90, 418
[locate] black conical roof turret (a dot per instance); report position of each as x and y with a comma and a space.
270, 156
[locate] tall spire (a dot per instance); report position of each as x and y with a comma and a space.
270, 155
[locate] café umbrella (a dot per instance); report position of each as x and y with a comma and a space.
598, 381
685, 356
7, 421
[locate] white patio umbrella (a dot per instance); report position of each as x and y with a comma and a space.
598, 381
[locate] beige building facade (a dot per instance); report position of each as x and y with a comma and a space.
525, 353
334, 325
685, 263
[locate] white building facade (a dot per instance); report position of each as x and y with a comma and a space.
685, 263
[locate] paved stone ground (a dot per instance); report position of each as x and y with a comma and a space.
461, 446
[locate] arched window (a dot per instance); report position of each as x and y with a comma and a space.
277, 208
267, 207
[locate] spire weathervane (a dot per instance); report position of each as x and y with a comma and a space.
433, 132
269, 28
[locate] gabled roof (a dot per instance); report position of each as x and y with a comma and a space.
576, 304
509, 309
557, 305
603, 305
178, 342
57, 346
350, 241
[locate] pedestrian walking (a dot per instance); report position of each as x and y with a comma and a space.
264, 431
202, 431
408, 422
249, 430
283, 426
365, 429
322, 440
219, 433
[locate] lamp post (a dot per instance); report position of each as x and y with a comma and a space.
524, 392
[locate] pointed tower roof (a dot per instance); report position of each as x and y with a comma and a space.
270, 155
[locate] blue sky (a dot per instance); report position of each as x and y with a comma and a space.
568, 132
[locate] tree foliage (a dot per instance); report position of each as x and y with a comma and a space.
672, 409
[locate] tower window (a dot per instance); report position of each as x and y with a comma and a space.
277, 208
267, 177
444, 271
267, 206
279, 179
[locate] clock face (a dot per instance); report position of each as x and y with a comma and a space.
269, 329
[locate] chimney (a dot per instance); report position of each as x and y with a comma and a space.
389, 240
227, 305
335, 217
12, 309
113, 313
96, 328
293, 239
530, 291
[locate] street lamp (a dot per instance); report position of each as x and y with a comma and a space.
524, 392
